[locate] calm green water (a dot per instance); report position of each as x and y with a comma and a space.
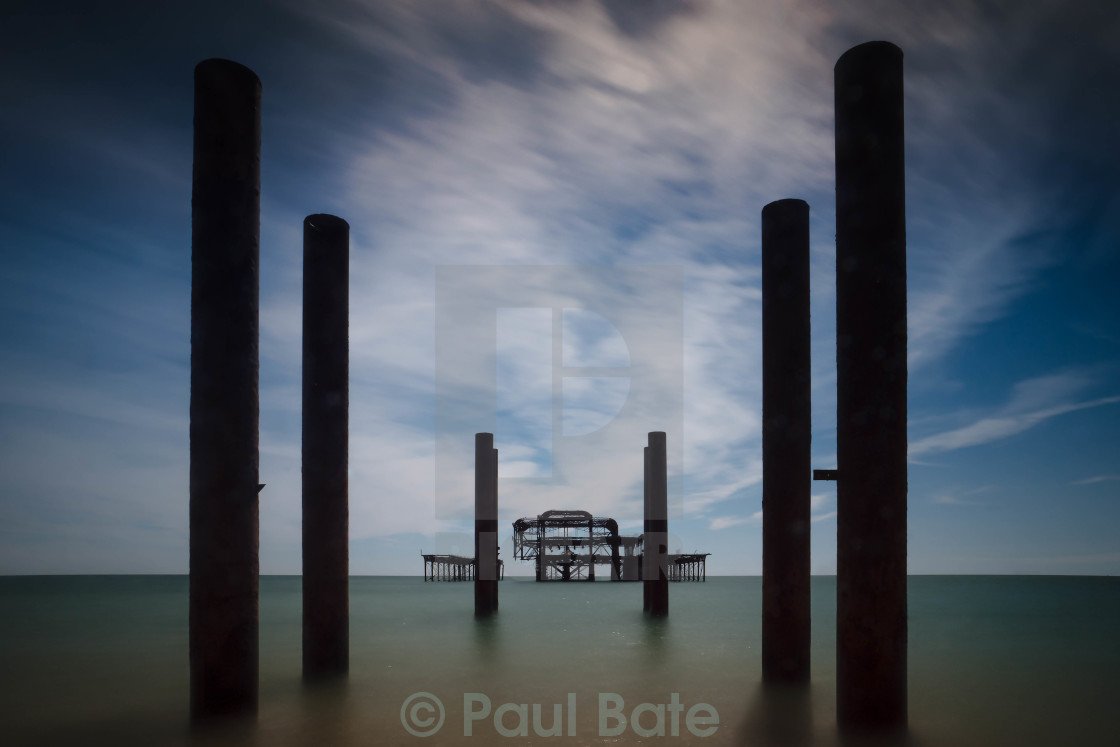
993, 661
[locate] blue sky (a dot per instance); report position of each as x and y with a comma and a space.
564, 133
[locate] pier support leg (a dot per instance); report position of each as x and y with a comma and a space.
485, 525
647, 542
326, 398
616, 567
871, 390
657, 527
590, 550
224, 515
786, 466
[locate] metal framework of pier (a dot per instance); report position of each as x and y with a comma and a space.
691, 567
453, 568
568, 545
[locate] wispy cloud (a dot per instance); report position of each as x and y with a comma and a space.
725, 522
1095, 480
1033, 402
960, 496
610, 147
497, 133
637, 148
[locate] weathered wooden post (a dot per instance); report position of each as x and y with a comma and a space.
647, 542
785, 442
591, 549
616, 569
224, 515
326, 398
485, 525
871, 390
657, 527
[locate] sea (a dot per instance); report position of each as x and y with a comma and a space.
993, 660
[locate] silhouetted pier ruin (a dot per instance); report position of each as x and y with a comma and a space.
567, 545
690, 567
453, 568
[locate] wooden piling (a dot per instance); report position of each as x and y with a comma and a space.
871, 390
643, 568
326, 372
485, 525
224, 409
785, 442
656, 542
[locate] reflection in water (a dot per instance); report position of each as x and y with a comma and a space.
778, 716
487, 634
325, 713
903, 739
782, 716
655, 632
994, 661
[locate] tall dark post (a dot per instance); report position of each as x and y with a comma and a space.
647, 541
485, 525
224, 516
616, 569
590, 549
871, 390
785, 441
656, 544
326, 398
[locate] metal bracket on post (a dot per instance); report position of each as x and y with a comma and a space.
825, 474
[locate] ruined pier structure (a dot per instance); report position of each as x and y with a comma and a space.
689, 567
453, 568
567, 545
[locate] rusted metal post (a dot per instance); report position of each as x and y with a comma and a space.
657, 527
224, 515
591, 549
485, 525
326, 398
616, 568
785, 441
871, 390
647, 542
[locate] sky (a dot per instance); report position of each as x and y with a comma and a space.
608, 160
